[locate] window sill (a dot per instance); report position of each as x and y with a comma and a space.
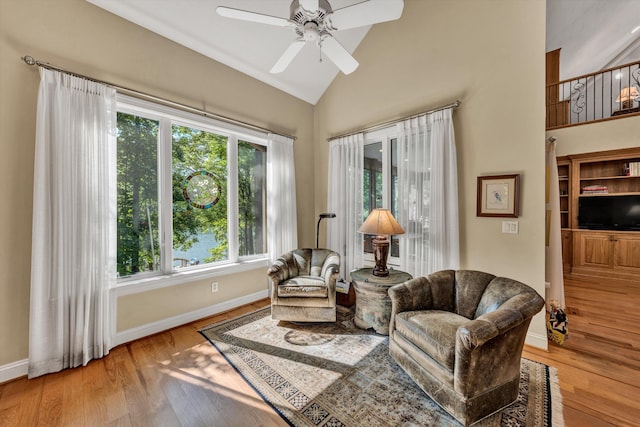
135, 286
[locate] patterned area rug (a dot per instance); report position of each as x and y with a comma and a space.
334, 374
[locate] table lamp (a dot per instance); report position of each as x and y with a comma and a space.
382, 224
627, 96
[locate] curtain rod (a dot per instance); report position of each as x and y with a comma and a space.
29, 60
454, 104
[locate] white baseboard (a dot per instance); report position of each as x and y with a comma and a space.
133, 334
18, 369
13, 370
537, 340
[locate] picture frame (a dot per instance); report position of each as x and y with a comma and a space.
498, 196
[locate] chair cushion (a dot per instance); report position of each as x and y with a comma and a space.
433, 331
303, 286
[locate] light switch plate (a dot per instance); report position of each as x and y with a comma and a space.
510, 227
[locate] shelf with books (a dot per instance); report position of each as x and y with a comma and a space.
629, 193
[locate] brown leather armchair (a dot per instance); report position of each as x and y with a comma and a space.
303, 285
459, 335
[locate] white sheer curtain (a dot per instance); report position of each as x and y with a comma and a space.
282, 223
346, 163
428, 194
553, 237
74, 217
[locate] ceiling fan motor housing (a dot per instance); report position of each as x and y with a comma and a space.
310, 24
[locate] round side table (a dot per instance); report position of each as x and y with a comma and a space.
373, 305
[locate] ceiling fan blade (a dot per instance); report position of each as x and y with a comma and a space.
244, 15
288, 56
366, 13
309, 5
339, 55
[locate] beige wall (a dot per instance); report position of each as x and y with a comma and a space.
76, 35
608, 135
176, 300
482, 52
490, 55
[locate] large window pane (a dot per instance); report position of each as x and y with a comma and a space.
252, 164
372, 185
395, 241
200, 228
137, 168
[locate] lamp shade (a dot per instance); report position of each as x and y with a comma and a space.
381, 222
627, 93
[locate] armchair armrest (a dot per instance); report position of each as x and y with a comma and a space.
414, 294
283, 268
331, 270
278, 271
491, 343
477, 332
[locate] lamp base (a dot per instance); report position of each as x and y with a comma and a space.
381, 253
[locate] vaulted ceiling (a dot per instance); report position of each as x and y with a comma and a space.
251, 48
592, 34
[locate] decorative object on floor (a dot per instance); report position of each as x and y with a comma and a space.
315, 21
498, 196
303, 285
459, 335
334, 374
558, 324
381, 223
373, 305
320, 218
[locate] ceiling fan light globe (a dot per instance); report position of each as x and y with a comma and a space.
311, 32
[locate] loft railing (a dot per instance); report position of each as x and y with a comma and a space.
607, 94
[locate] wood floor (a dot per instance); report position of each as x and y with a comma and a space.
176, 378
599, 364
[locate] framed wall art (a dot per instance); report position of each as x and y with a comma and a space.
498, 196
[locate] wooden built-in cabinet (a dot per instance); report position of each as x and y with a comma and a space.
595, 252
614, 254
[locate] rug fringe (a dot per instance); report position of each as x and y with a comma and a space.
557, 416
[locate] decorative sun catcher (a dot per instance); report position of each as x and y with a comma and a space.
201, 189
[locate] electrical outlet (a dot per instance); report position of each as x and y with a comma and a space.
214, 287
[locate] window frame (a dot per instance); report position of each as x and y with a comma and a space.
167, 275
385, 137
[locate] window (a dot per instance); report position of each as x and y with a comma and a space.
191, 191
380, 183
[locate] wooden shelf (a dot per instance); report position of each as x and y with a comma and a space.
629, 193
603, 178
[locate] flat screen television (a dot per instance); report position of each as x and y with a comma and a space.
609, 212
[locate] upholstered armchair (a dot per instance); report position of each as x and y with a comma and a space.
459, 335
303, 285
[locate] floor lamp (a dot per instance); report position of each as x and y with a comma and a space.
322, 216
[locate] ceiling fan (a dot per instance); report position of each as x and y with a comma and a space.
315, 21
